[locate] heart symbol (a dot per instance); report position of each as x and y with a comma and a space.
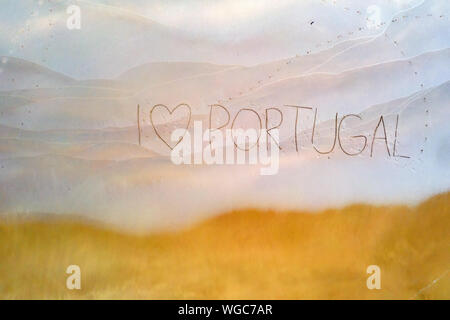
170, 113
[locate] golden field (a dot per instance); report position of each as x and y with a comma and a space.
248, 254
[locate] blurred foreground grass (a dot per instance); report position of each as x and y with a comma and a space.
248, 254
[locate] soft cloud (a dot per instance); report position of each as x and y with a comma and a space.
212, 13
117, 34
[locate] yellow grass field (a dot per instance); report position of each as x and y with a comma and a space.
248, 254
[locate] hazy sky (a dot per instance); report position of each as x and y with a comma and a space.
117, 35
